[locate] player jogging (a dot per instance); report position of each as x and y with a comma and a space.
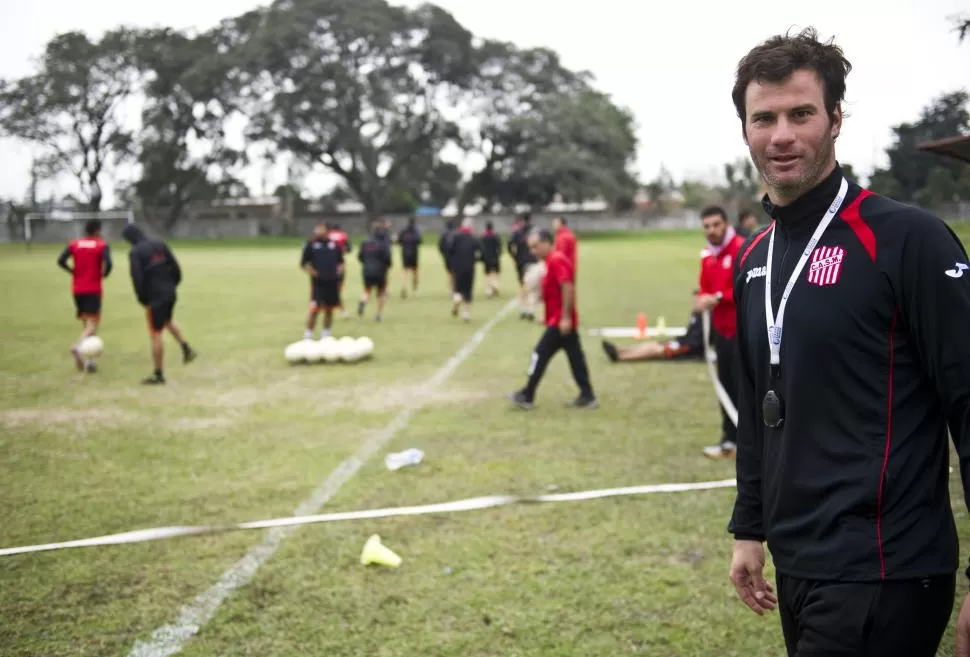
491, 255
464, 254
323, 260
155, 275
519, 250
375, 256
410, 241
91, 258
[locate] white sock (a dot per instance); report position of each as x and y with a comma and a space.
307, 334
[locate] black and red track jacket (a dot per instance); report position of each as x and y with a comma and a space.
875, 367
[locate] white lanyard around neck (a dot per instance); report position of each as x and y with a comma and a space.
775, 324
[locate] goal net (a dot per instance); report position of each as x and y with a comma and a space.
65, 225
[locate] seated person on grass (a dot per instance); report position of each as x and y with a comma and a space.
689, 347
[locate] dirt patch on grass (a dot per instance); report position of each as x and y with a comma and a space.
202, 423
80, 421
383, 399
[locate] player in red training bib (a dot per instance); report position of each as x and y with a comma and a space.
91, 260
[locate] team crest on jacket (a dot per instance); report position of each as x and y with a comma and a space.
826, 265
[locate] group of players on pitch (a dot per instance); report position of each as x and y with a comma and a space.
324, 259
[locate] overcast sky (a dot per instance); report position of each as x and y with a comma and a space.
671, 63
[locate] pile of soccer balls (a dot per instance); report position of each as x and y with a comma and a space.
329, 350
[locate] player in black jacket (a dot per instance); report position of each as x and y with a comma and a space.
410, 240
464, 253
323, 260
848, 383
155, 275
491, 257
519, 250
375, 256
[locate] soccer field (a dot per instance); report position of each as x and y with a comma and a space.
239, 435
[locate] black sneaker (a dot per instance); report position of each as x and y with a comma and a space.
585, 402
611, 351
360, 308
188, 354
90, 367
153, 380
520, 400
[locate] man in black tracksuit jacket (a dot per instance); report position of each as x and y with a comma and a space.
464, 252
375, 258
875, 367
518, 248
842, 459
155, 275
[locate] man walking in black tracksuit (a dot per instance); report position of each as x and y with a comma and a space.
518, 247
155, 275
851, 373
375, 258
464, 253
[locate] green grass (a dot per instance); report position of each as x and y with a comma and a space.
239, 435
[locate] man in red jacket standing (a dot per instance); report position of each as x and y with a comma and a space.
716, 294
565, 240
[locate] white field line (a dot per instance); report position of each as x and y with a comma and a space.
170, 639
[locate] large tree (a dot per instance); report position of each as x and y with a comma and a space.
354, 86
576, 145
916, 176
508, 83
189, 95
72, 107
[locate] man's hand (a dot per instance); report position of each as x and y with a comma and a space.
963, 629
565, 326
747, 573
704, 302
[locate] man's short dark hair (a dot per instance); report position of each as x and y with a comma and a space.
713, 210
92, 226
563, 221
489, 225
776, 59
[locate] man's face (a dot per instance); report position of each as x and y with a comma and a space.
556, 224
539, 248
715, 226
789, 135
320, 232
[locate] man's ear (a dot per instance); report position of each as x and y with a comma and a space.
836, 122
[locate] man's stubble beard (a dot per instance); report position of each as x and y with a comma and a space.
812, 174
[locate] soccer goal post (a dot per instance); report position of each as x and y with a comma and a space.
64, 225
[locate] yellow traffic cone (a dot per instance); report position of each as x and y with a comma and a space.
375, 552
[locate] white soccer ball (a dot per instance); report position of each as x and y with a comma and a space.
347, 349
297, 352
91, 347
312, 352
329, 351
365, 346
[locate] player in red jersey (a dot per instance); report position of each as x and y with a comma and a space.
91, 258
342, 240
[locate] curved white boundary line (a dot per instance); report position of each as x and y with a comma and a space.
169, 639
471, 504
